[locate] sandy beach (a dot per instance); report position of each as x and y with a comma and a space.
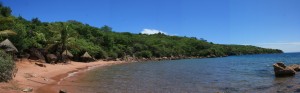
30, 75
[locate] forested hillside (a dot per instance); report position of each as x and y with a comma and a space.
104, 43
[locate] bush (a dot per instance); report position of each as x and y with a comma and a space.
144, 54
112, 55
7, 67
102, 55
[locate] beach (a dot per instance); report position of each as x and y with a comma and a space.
30, 75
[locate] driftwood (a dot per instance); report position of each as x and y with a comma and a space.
40, 64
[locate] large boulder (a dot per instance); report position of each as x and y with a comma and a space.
51, 58
36, 54
282, 71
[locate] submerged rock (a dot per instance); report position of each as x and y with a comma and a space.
282, 71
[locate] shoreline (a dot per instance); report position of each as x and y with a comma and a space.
55, 87
32, 76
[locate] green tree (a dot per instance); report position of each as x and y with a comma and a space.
106, 28
6, 25
5, 11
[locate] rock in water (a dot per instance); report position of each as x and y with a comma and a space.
295, 67
282, 71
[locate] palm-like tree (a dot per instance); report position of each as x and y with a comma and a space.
63, 39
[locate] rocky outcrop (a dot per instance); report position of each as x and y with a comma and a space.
282, 71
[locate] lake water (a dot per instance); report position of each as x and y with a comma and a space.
234, 74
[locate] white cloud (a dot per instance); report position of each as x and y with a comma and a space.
285, 46
152, 31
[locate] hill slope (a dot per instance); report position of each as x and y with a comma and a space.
104, 43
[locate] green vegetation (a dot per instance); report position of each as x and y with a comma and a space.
7, 67
104, 43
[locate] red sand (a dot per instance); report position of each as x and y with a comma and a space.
42, 79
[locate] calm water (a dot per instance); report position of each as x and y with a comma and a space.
240, 74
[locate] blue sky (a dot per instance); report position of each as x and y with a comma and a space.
264, 23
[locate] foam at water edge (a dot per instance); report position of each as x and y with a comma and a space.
74, 73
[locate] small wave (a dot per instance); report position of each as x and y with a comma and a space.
74, 73
69, 75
